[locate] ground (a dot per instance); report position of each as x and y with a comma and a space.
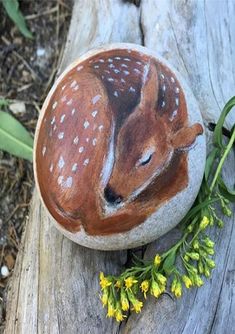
27, 71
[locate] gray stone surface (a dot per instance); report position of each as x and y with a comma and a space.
169, 214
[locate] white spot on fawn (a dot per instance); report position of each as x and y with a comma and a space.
54, 128
177, 101
51, 168
116, 70
124, 65
76, 140
126, 59
172, 79
68, 183
163, 104
177, 90
173, 115
86, 124
53, 120
81, 149
60, 179
61, 162
164, 88
94, 113
74, 167
87, 140
79, 68
126, 72
62, 118
106, 71
63, 87
111, 66
110, 79
94, 141
110, 60
101, 60
96, 99
122, 80
64, 98
54, 105
162, 76
61, 135
115, 93
73, 111
96, 66
136, 70
100, 127
44, 150
131, 89
69, 102
86, 162
73, 84
118, 58
139, 63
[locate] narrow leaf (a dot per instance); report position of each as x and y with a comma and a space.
169, 262
217, 139
209, 162
12, 9
14, 138
225, 191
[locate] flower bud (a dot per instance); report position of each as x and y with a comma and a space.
187, 281
204, 223
193, 255
209, 243
226, 210
220, 223
210, 263
200, 267
198, 281
196, 244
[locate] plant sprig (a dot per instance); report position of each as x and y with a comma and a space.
194, 250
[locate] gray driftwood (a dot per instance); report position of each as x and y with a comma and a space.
55, 283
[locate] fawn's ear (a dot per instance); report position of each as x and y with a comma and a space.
149, 90
186, 136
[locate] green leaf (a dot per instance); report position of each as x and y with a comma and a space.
209, 162
3, 102
14, 138
227, 193
12, 9
218, 136
169, 262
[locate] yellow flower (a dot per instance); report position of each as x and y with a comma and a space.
137, 305
161, 279
204, 223
129, 282
118, 284
145, 287
118, 313
173, 285
124, 301
187, 281
111, 308
178, 290
155, 289
198, 281
157, 260
104, 281
104, 297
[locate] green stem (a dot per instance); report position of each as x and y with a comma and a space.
226, 152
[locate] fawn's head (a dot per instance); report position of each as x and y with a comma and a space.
145, 145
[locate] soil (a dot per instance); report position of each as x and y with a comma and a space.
27, 71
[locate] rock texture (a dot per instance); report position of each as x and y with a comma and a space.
119, 148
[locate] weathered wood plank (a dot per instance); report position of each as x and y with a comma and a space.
55, 285
196, 36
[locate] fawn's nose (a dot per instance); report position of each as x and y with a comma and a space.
111, 197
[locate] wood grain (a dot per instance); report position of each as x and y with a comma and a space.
55, 285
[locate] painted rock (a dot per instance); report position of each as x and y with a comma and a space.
119, 150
